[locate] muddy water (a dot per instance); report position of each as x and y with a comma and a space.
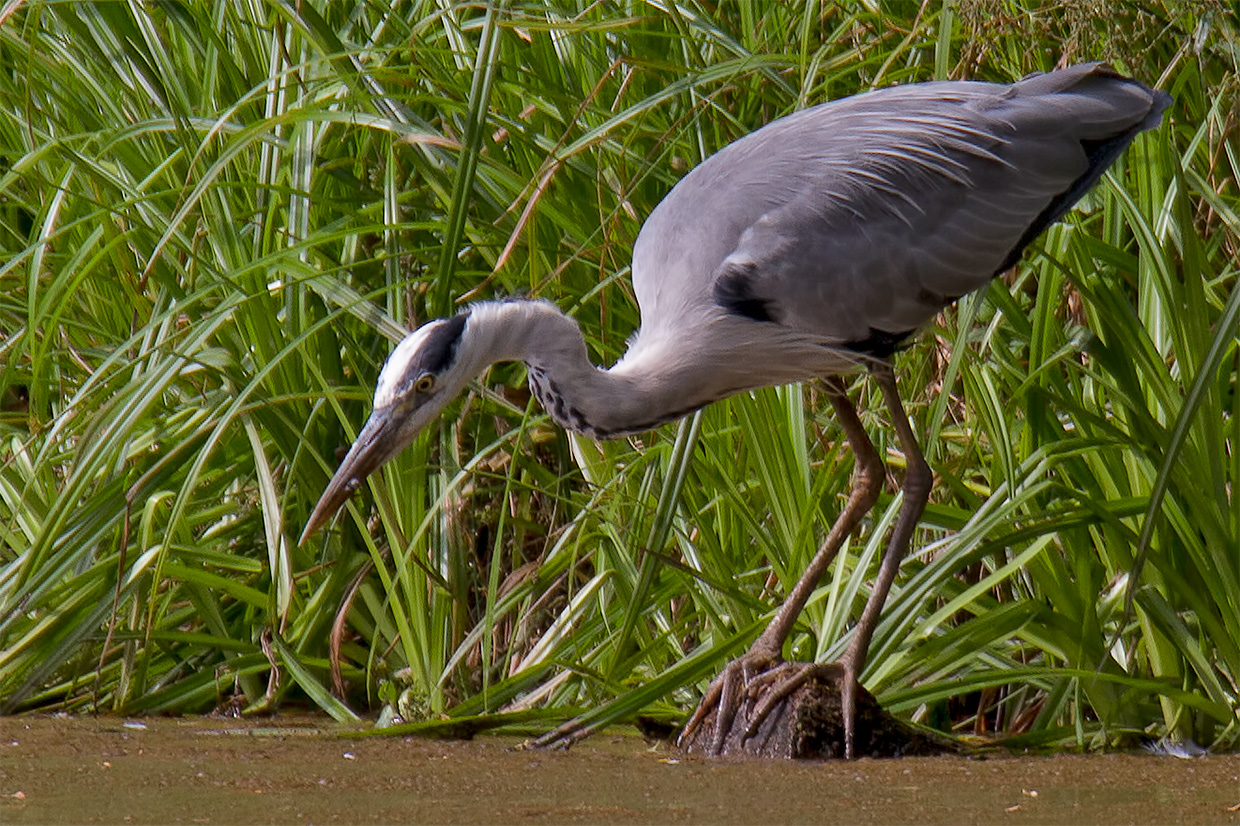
108, 770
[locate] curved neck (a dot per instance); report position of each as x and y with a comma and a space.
636, 395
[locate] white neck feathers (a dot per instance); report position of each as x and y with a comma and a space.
664, 375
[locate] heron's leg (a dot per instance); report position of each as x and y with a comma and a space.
867, 483
725, 693
917, 482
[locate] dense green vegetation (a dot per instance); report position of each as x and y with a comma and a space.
216, 217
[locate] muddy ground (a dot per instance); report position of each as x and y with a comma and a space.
200, 771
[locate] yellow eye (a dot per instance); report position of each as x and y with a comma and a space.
424, 383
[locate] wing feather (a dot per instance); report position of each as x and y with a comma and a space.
872, 212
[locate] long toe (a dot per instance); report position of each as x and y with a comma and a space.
709, 702
721, 708
848, 706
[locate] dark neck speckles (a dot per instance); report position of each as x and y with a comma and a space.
552, 398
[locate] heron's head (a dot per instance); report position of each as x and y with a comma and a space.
427, 370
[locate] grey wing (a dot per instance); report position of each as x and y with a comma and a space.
904, 200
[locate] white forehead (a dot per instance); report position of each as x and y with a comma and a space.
396, 368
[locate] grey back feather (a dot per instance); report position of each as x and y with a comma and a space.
865, 216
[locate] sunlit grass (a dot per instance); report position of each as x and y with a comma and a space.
217, 217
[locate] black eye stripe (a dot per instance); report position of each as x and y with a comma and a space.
439, 350
436, 354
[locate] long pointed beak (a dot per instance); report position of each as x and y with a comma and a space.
379, 440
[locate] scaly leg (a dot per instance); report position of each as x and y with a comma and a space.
726, 693
917, 483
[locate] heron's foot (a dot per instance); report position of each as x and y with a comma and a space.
756, 689
724, 697
562, 737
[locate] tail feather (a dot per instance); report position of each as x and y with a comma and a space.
1092, 81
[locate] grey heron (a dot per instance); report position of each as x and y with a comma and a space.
809, 249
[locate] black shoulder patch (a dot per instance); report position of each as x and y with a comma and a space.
439, 349
879, 343
734, 293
